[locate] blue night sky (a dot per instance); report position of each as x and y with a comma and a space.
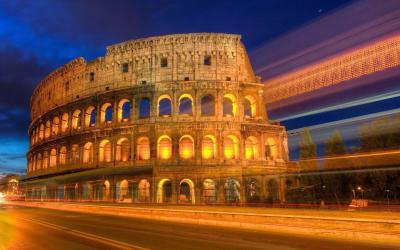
38, 36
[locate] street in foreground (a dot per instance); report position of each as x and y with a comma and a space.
36, 228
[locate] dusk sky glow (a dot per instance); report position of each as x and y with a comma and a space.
37, 37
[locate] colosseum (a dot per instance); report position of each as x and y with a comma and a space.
166, 119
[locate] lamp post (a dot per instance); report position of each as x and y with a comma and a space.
387, 197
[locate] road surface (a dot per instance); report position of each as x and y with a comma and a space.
38, 228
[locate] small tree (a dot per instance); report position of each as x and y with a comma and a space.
334, 145
308, 151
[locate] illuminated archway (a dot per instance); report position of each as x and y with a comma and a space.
164, 148
124, 110
143, 148
53, 157
64, 122
271, 149
251, 148
249, 106
90, 116
105, 151
123, 150
63, 155
164, 106
144, 191
106, 188
41, 132
47, 129
186, 191
106, 113
209, 191
185, 103
55, 125
231, 148
76, 119
39, 161
209, 147
75, 153
186, 147
123, 190
88, 152
164, 191
229, 105
45, 160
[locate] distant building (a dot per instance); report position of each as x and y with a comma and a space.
9, 185
176, 118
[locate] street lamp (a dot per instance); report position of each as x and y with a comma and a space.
387, 196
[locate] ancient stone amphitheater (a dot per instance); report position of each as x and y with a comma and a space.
175, 118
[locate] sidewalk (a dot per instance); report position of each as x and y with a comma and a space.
371, 226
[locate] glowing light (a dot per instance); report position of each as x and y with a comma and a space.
143, 148
251, 148
208, 146
164, 148
230, 147
372, 58
186, 147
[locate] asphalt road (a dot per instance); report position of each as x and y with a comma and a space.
37, 228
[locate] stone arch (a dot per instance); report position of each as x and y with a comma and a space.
251, 148
272, 191
164, 106
76, 119
231, 147
187, 191
185, 104
123, 190
123, 150
107, 190
106, 113
64, 122
45, 163
207, 105
41, 131
144, 108
63, 155
209, 147
53, 157
90, 116
105, 151
271, 149
55, 125
47, 130
229, 105
209, 191
75, 154
143, 148
124, 110
164, 147
164, 191
88, 153
232, 191
186, 147
144, 191
250, 106
253, 189
39, 161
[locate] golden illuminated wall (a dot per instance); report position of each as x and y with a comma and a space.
375, 57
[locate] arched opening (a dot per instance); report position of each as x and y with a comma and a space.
144, 108
63, 155
271, 149
209, 191
76, 119
106, 190
55, 126
39, 161
90, 116
88, 153
164, 107
272, 189
53, 157
164, 191
106, 113
209, 147
207, 105
37, 134
232, 191
251, 148
229, 105
41, 132
186, 147
75, 153
143, 148
249, 106
124, 110
164, 147
123, 150
64, 122
185, 104
252, 190
186, 191
105, 151
231, 148
45, 159
144, 191
47, 129
86, 192
123, 190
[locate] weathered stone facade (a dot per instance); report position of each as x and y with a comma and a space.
176, 118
